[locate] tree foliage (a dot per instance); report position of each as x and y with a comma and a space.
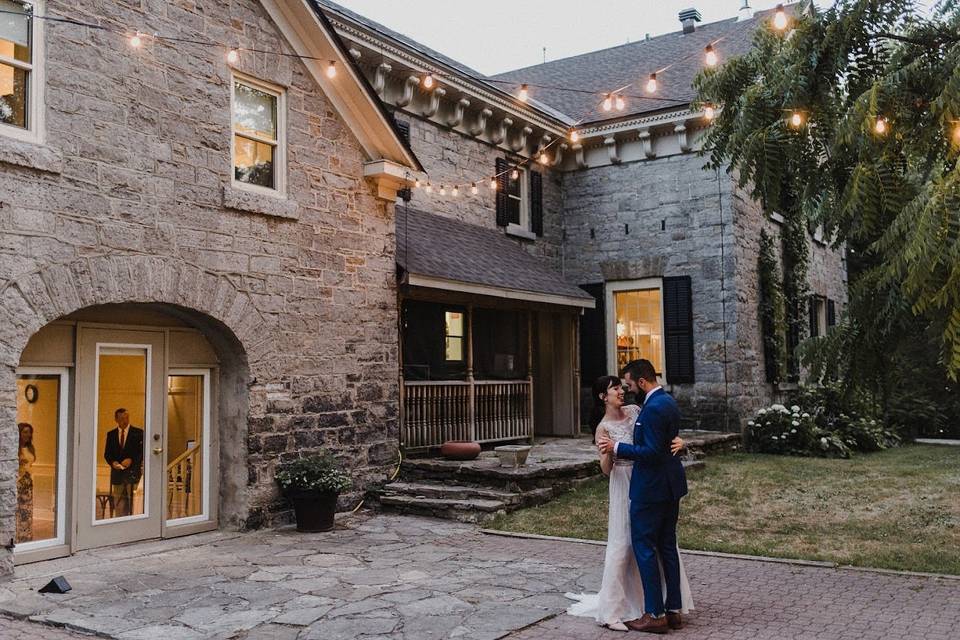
889, 193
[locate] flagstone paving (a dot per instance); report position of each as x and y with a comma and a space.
403, 577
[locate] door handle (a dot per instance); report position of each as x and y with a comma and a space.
158, 450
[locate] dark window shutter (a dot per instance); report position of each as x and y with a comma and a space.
678, 329
593, 341
814, 320
536, 202
503, 216
403, 128
831, 313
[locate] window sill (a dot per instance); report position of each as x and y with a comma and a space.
268, 205
776, 217
519, 232
30, 154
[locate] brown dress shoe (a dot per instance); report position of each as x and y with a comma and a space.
674, 621
649, 624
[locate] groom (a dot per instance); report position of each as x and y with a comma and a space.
656, 486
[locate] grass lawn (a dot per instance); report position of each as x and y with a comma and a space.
897, 509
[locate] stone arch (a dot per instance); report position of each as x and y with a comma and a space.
209, 301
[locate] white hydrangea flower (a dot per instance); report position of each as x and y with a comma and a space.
823, 441
806, 415
777, 407
750, 424
774, 438
793, 430
795, 423
761, 412
795, 409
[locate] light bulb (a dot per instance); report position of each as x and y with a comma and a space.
620, 103
607, 103
493, 184
524, 94
429, 188
710, 56
881, 126
428, 81
796, 119
136, 41
443, 190
543, 157
780, 18
456, 191
956, 135
332, 70
709, 113
232, 56
574, 136
416, 183
473, 189
652, 83
514, 174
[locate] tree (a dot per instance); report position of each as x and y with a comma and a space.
849, 120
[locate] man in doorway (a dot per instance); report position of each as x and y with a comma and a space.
124, 453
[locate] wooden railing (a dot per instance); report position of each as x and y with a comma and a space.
183, 484
480, 410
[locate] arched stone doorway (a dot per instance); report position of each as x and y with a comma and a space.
161, 337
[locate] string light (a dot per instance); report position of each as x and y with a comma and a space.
956, 134
455, 191
332, 70
542, 157
416, 183
607, 102
515, 174
652, 83
710, 56
796, 119
780, 18
232, 56
443, 190
709, 113
574, 136
428, 81
473, 189
493, 184
429, 188
881, 126
136, 41
524, 94
620, 103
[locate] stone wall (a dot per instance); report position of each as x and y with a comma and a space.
129, 200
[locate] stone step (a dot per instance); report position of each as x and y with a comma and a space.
450, 492
475, 511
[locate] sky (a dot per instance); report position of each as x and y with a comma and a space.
501, 35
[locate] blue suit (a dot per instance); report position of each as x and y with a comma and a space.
656, 486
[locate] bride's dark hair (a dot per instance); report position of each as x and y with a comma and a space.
600, 385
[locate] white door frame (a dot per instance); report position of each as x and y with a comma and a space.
205, 453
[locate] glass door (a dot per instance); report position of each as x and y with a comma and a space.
119, 436
187, 470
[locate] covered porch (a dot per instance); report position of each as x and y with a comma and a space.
488, 337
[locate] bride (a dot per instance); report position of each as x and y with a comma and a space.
621, 592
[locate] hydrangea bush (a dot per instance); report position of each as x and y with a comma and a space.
792, 431
318, 472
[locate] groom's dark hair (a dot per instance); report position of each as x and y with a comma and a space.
640, 369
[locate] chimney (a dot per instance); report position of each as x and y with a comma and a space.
689, 19
746, 12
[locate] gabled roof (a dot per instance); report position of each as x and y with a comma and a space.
441, 253
675, 57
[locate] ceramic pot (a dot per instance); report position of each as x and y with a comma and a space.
460, 450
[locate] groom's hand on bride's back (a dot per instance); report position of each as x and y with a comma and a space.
677, 445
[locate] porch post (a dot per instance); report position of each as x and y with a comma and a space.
402, 436
530, 370
471, 388
576, 374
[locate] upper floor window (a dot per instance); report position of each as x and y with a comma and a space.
258, 135
517, 211
519, 200
19, 73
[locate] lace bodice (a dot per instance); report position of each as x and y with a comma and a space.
622, 430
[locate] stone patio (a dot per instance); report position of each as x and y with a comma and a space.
404, 577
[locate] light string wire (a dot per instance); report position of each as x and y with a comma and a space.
158, 37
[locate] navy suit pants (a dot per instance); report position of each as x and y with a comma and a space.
654, 535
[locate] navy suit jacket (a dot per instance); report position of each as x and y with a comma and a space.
658, 476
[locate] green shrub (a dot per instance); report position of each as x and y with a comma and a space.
793, 432
318, 472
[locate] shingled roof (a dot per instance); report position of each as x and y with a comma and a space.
449, 253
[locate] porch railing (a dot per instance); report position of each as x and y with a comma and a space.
479, 410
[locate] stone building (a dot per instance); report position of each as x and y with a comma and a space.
210, 237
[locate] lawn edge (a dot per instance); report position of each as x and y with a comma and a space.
736, 556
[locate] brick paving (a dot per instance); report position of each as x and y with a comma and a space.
410, 578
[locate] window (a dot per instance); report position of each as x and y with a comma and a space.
637, 320
258, 149
516, 202
819, 320
453, 333
20, 84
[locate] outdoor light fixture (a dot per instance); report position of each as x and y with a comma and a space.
780, 18
429, 188
709, 112
524, 94
796, 119
416, 183
652, 83
620, 103
493, 184
136, 41
456, 191
332, 70
574, 136
473, 189
710, 56
543, 157
443, 190
232, 56
881, 126
428, 81
607, 103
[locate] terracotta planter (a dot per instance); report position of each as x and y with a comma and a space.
314, 509
460, 450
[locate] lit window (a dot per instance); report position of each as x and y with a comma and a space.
639, 327
19, 85
453, 322
258, 152
516, 199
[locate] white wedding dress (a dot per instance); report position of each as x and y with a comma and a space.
621, 592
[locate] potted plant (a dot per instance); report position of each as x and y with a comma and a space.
313, 484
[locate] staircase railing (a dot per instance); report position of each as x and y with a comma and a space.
183, 492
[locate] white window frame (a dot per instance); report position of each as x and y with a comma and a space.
619, 286
522, 229
62, 443
36, 82
204, 514
280, 144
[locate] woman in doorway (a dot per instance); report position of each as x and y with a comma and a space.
26, 456
621, 591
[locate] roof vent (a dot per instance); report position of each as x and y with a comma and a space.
689, 19
646, 36
746, 11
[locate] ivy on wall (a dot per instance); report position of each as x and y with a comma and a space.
772, 311
796, 259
